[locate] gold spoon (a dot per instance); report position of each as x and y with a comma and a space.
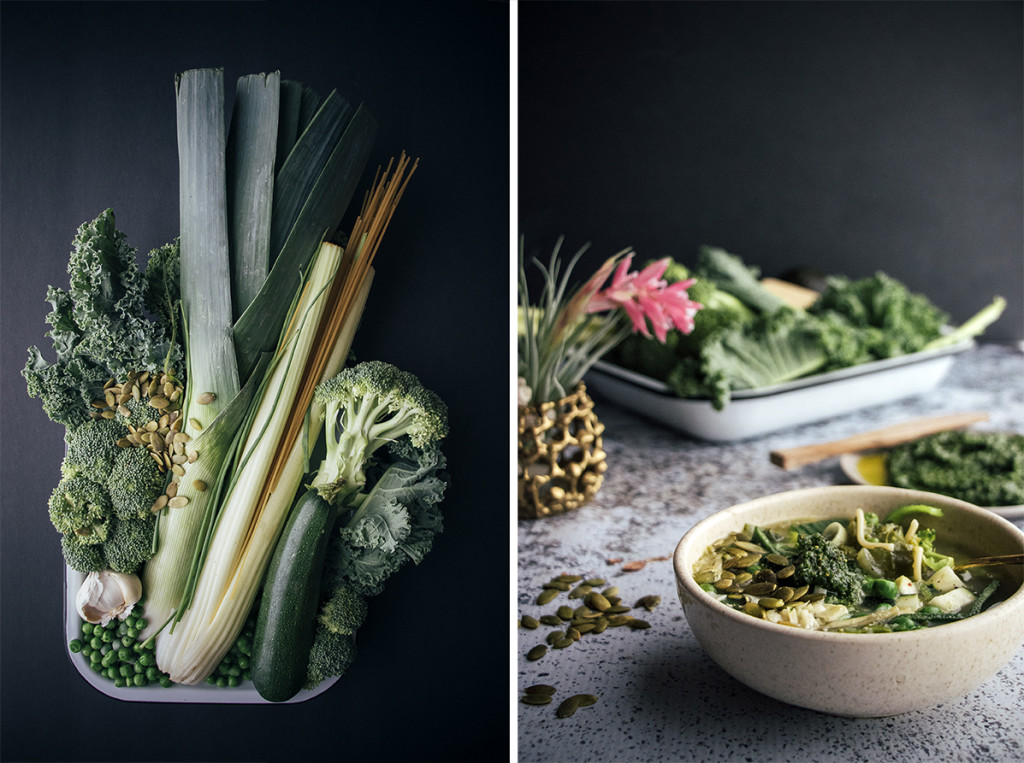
986, 561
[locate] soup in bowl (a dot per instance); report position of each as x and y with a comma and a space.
847, 659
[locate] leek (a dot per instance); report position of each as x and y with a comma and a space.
206, 303
252, 150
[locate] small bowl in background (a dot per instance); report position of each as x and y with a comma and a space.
857, 674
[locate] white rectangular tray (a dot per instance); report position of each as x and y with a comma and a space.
754, 412
203, 693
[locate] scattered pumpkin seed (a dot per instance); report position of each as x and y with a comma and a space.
554, 636
540, 689
529, 622
594, 582
178, 502
586, 700
563, 642
568, 707
777, 559
649, 602
550, 620
556, 585
638, 624
537, 652
597, 601
567, 578
536, 699
565, 612
206, 398
546, 596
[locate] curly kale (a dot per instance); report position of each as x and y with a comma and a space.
99, 326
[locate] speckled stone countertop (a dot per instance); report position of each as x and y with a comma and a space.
660, 697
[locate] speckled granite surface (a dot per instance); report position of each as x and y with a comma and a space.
661, 698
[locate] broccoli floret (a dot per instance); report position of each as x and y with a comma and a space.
332, 654
135, 482
344, 612
365, 407
140, 413
82, 557
92, 448
130, 543
819, 562
80, 507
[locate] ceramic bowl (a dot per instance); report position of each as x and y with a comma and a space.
846, 674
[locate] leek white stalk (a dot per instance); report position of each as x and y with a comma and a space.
206, 304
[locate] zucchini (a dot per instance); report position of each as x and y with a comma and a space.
286, 621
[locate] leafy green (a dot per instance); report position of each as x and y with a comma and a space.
730, 274
100, 326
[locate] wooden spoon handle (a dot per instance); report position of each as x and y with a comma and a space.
878, 438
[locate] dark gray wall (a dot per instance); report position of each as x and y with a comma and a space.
88, 122
847, 136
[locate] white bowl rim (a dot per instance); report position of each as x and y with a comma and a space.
685, 577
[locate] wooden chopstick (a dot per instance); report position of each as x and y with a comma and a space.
906, 431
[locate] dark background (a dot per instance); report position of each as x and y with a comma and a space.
88, 122
846, 136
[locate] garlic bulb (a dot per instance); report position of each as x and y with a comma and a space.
105, 595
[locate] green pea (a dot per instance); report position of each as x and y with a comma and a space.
108, 659
211, 680
222, 681
86, 628
152, 673
95, 657
75, 645
95, 642
165, 681
147, 658
886, 589
119, 683
139, 680
127, 640
133, 633
233, 681
126, 671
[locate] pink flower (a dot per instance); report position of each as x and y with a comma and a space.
646, 296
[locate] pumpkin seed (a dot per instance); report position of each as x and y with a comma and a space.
759, 589
616, 620
540, 689
582, 628
178, 502
568, 707
554, 636
536, 699
612, 590
537, 652
565, 612
528, 622
586, 700
785, 572
573, 633
800, 592
617, 609
597, 601
595, 582
600, 624
567, 578
206, 398
768, 602
556, 585
546, 596
562, 643
650, 601
723, 584
751, 608
550, 620
777, 559
785, 593
579, 591
748, 546
638, 624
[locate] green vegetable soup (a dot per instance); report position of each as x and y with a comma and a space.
860, 575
